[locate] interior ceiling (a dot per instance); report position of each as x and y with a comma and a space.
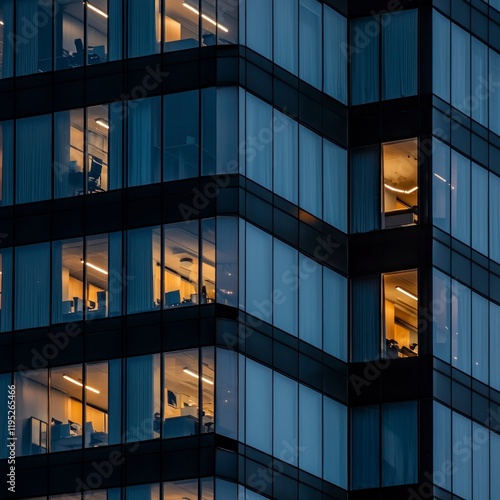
406, 280
74, 8
401, 164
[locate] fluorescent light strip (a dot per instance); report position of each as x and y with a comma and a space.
193, 374
99, 11
209, 19
406, 292
412, 190
76, 382
1, 23
440, 178
102, 123
94, 267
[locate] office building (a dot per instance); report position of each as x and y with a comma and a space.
249, 249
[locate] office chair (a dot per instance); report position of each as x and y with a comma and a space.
94, 176
78, 57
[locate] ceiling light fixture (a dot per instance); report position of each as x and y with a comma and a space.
76, 382
406, 292
186, 263
94, 267
95, 9
1, 23
102, 122
193, 374
396, 190
209, 19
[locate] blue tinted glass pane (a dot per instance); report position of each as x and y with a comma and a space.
480, 347
286, 157
227, 132
494, 70
479, 103
5, 380
285, 417
399, 59
259, 16
479, 209
494, 220
364, 60
6, 37
462, 477
258, 273
399, 444
460, 197
442, 445
494, 345
335, 442
144, 29
33, 158
310, 171
441, 183
6, 163
335, 185
335, 314
494, 465
285, 287
365, 447
461, 325
310, 301
144, 141
441, 315
115, 30
310, 430
441, 57
335, 54
32, 286
460, 69
6, 271
226, 411
33, 47
310, 67
286, 34
480, 462
181, 135
259, 404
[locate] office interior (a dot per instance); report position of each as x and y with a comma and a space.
400, 299
400, 181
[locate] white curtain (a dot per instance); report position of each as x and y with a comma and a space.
62, 123
310, 36
33, 159
441, 57
286, 157
140, 398
335, 56
144, 141
143, 27
286, 34
399, 444
26, 47
32, 286
6, 162
479, 210
6, 290
335, 185
399, 45
364, 63
479, 77
460, 69
310, 171
139, 271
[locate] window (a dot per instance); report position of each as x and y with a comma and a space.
400, 179
182, 20
6, 290
400, 315
6, 32
144, 28
6, 162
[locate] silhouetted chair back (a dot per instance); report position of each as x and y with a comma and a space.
94, 176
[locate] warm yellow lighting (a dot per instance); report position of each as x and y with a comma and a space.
406, 292
193, 374
94, 267
99, 11
102, 123
76, 382
209, 19
401, 190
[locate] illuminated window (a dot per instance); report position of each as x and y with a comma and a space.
400, 314
400, 167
